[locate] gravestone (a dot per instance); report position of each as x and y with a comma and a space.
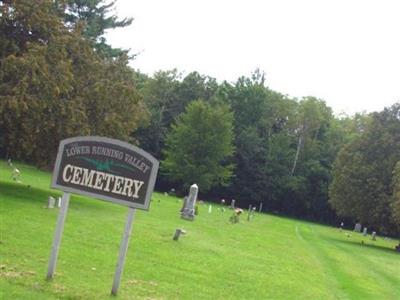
374, 236
365, 231
51, 202
59, 202
261, 205
233, 204
189, 209
178, 233
249, 213
357, 227
210, 209
184, 203
252, 213
222, 205
15, 174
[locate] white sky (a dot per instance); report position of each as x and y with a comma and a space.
346, 52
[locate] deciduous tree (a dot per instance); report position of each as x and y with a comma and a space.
198, 146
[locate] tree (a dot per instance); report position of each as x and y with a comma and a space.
362, 186
97, 18
53, 85
198, 146
248, 98
166, 96
395, 205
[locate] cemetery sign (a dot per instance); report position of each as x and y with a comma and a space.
107, 169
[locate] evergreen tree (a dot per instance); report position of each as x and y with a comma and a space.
96, 17
53, 85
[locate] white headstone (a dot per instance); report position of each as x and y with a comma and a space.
51, 202
59, 202
233, 204
365, 231
15, 174
210, 209
374, 235
357, 227
189, 210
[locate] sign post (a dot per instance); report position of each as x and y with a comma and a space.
106, 169
122, 251
57, 236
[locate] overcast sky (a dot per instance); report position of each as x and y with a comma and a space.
346, 52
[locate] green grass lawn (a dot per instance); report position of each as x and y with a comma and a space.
268, 258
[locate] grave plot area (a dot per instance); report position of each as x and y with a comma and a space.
266, 258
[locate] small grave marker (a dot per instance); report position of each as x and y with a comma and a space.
357, 227
51, 202
178, 233
365, 231
233, 204
373, 236
223, 205
249, 213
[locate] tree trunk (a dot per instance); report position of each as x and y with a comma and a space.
297, 154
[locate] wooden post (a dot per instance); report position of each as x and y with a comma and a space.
58, 235
122, 251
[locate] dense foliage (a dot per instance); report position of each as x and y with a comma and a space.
59, 78
53, 84
366, 173
198, 145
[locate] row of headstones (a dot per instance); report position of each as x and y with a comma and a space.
188, 210
357, 228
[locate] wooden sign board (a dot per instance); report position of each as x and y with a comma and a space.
106, 169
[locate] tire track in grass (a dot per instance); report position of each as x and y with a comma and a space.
326, 270
392, 286
351, 270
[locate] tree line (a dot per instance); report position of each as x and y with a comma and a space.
237, 140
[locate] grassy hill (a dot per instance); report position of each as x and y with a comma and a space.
268, 258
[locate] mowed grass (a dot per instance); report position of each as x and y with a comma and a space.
268, 258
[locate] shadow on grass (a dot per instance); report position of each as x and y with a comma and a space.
365, 245
26, 193
20, 191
